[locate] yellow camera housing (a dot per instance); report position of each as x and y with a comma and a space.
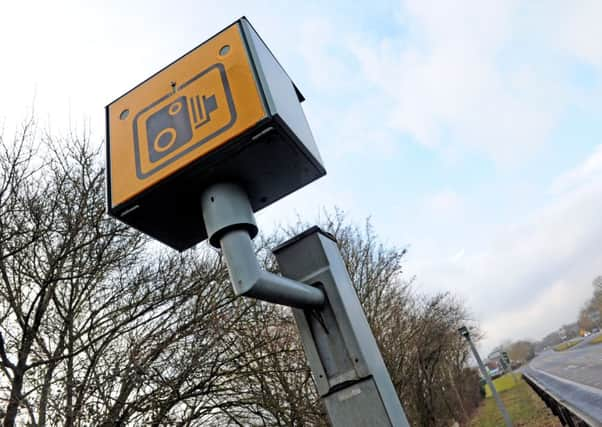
225, 111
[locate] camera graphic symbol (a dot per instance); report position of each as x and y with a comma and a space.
176, 125
173, 125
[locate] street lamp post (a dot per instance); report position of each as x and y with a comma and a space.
466, 334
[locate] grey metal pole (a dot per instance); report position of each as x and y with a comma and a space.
496, 396
250, 280
348, 369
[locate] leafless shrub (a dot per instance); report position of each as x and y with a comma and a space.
98, 327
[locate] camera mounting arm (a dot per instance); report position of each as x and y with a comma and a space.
230, 224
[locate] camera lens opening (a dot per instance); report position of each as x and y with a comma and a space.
174, 108
164, 140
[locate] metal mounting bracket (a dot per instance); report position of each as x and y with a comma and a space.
230, 225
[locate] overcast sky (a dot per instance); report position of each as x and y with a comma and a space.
468, 131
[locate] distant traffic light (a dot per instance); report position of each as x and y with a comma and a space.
464, 332
505, 360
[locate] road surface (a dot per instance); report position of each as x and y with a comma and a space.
586, 340
573, 377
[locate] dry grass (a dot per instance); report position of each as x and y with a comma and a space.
597, 340
526, 409
502, 383
566, 345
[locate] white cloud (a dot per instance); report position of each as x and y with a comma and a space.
461, 78
445, 202
558, 301
534, 275
589, 170
582, 31
457, 256
320, 54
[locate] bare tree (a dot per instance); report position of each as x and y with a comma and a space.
521, 351
98, 326
56, 244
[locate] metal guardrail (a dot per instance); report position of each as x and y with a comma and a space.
572, 410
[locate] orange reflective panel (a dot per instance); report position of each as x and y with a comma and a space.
191, 107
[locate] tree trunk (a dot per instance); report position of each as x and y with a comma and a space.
69, 381
15, 397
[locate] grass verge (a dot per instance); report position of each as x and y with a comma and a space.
566, 345
505, 382
597, 340
526, 409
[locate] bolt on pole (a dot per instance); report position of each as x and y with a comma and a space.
464, 332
